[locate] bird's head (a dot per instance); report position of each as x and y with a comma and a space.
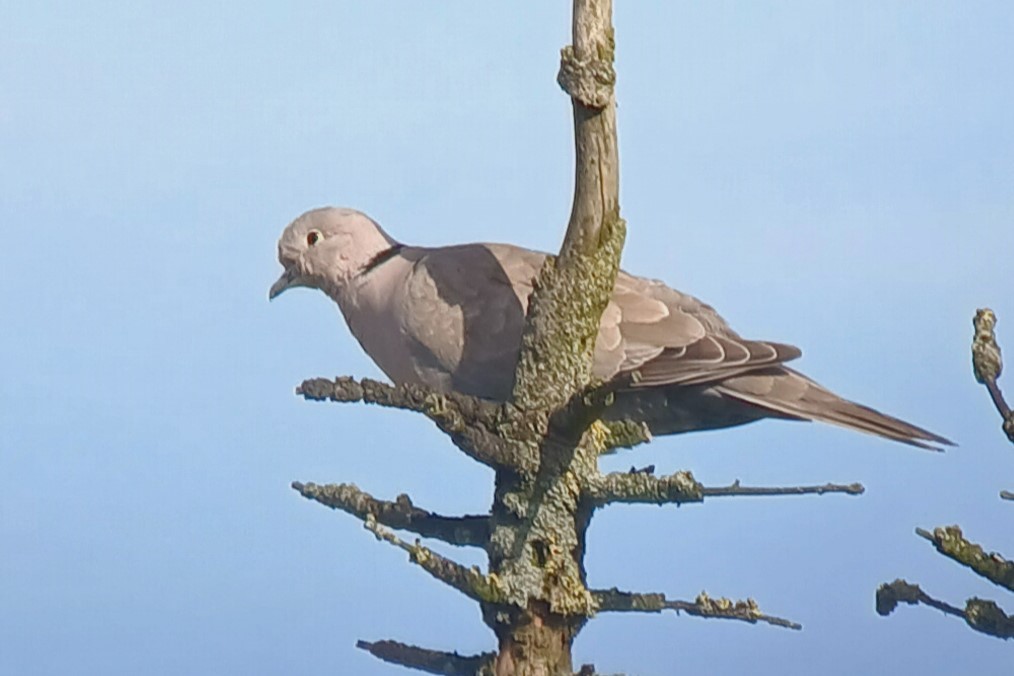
326, 248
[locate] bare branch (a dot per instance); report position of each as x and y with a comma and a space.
681, 487
987, 364
586, 74
951, 542
401, 514
470, 422
614, 600
430, 661
736, 489
469, 581
980, 614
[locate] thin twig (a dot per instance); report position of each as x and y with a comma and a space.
736, 489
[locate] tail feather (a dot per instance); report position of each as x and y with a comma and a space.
786, 392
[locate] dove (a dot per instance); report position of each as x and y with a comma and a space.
451, 318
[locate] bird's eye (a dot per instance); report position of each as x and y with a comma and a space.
313, 237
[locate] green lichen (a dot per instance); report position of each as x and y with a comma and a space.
986, 616
987, 362
642, 487
625, 434
563, 322
724, 606
487, 587
951, 542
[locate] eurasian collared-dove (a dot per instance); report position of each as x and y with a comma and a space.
451, 318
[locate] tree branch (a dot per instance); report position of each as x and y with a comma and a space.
736, 489
951, 542
641, 487
681, 487
981, 615
901, 591
469, 581
987, 364
614, 600
585, 409
572, 290
430, 661
400, 514
470, 422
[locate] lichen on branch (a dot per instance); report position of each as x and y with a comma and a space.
469, 581
642, 487
951, 542
473, 424
987, 364
400, 514
980, 614
563, 319
614, 600
681, 487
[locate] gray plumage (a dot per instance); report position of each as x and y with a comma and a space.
451, 318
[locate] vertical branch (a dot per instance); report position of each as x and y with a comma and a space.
573, 290
538, 523
597, 167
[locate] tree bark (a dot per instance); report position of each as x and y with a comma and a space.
539, 521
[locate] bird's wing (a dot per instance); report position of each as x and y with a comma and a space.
671, 338
464, 311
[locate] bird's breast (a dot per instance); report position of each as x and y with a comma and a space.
375, 313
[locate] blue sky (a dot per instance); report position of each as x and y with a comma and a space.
834, 175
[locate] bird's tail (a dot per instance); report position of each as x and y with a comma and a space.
784, 392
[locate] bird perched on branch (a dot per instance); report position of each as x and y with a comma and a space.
451, 318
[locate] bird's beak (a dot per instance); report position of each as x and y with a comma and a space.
289, 279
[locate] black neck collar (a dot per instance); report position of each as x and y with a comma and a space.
382, 257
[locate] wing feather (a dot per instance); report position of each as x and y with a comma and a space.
671, 338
